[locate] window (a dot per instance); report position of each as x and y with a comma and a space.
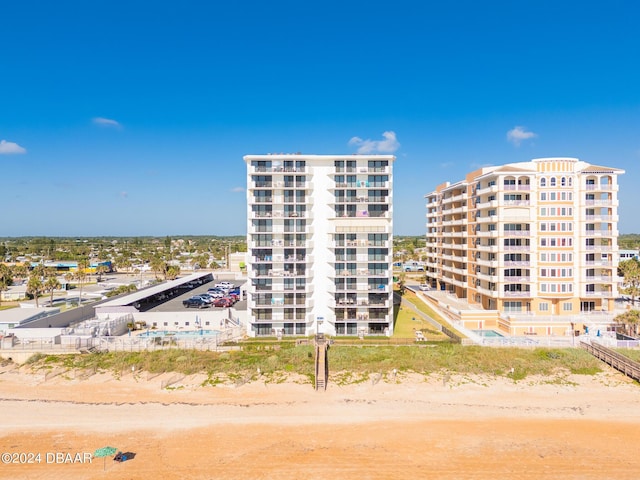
543, 182
513, 306
552, 182
543, 196
567, 306
544, 306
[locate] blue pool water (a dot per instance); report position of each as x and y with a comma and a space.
187, 334
488, 333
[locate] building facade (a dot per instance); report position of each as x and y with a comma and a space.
526, 239
319, 241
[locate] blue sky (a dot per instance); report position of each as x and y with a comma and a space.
132, 118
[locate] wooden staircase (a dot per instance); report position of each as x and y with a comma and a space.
322, 362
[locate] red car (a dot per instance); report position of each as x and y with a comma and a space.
222, 302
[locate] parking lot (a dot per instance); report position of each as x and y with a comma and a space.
174, 304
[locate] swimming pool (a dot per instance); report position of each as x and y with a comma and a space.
488, 333
181, 334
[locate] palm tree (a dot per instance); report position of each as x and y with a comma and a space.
35, 286
6, 279
630, 270
159, 266
81, 275
21, 271
101, 270
172, 272
50, 284
629, 319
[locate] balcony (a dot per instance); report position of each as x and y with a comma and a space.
601, 203
254, 185
517, 233
516, 248
261, 214
598, 248
524, 294
516, 263
598, 293
487, 248
491, 219
599, 279
489, 234
600, 233
605, 187
487, 292
599, 263
486, 277
514, 279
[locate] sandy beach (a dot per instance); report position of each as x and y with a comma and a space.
577, 427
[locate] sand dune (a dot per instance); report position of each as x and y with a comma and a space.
414, 427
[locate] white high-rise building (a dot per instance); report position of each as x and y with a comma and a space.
320, 244
533, 242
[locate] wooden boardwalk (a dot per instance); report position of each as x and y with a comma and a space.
322, 362
616, 360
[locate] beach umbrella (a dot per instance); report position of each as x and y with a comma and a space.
105, 452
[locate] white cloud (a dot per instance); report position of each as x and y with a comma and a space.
106, 122
389, 145
517, 134
237, 189
7, 148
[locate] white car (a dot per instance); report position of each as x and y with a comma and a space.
424, 287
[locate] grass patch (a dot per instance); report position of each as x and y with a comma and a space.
354, 363
407, 322
424, 308
631, 354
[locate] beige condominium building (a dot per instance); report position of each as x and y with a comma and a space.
320, 240
531, 247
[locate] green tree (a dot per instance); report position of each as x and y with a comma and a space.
630, 271
172, 272
630, 321
21, 271
51, 284
6, 279
80, 276
402, 282
35, 286
159, 267
101, 270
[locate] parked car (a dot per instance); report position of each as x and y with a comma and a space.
222, 302
206, 297
195, 302
424, 287
225, 285
216, 293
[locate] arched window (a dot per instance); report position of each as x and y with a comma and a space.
543, 182
552, 182
570, 181
563, 182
